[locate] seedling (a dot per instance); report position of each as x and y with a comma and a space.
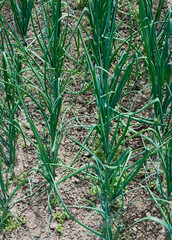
60, 229
16, 179
61, 216
53, 202
12, 223
94, 189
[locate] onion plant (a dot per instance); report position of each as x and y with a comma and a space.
22, 10
164, 188
102, 18
9, 105
163, 185
51, 41
50, 83
164, 176
156, 34
46, 96
107, 88
107, 91
9, 124
111, 179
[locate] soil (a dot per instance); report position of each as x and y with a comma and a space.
39, 223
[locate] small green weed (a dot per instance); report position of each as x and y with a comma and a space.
135, 14
60, 229
53, 202
12, 223
93, 190
61, 217
16, 179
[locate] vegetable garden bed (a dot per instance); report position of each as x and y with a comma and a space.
85, 119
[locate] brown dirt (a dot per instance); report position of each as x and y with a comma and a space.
38, 222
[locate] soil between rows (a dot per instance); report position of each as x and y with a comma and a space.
38, 223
